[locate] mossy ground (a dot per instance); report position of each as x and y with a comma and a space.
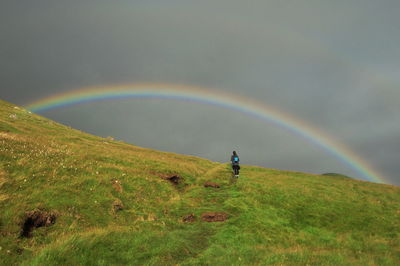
275, 217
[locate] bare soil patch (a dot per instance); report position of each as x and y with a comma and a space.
35, 219
117, 205
214, 217
211, 184
117, 186
174, 179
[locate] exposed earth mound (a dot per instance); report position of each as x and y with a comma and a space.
214, 217
174, 179
211, 184
35, 219
117, 186
117, 205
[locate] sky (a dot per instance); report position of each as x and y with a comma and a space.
333, 64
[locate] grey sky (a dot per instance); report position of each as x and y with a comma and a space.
334, 64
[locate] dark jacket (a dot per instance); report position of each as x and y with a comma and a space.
233, 159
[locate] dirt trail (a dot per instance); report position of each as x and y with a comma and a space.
214, 170
210, 199
218, 172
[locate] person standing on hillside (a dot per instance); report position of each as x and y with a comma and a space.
235, 164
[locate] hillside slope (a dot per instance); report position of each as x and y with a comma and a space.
70, 198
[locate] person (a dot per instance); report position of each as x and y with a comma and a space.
235, 164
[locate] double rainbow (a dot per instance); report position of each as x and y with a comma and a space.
236, 103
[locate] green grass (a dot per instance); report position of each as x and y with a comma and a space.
275, 217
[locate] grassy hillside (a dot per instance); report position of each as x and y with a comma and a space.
98, 201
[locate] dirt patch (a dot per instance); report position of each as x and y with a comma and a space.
211, 184
35, 219
175, 179
214, 217
117, 186
117, 205
190, 218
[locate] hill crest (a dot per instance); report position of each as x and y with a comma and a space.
104, 201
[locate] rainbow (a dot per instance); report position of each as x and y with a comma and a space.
240, 104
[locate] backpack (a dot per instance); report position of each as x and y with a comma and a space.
236, 159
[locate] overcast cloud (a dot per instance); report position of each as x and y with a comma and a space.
334, 64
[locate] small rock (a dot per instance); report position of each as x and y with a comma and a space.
13, 116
